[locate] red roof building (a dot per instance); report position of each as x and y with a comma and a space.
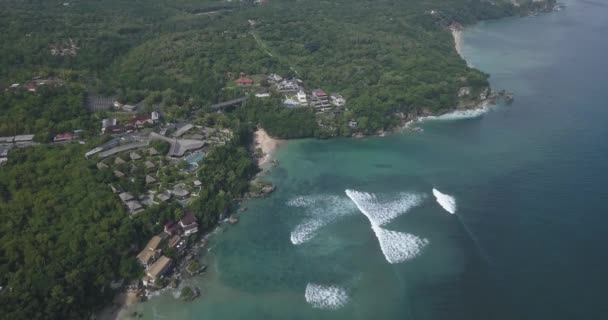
319, 93
171, 228
140, 120
66, 136
244, 82
31, 86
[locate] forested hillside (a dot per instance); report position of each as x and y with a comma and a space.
384, 56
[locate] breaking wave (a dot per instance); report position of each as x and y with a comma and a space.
326, 296
379, 213
447, 202
459, 114
396, 246
321, 211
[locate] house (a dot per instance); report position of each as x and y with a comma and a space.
152, 152
262, 95
125, 196
180, 193
189, 224
319, 100
24, 138
163, 197
134, 206
129, 108
31, 86
134, 155
286, 86
118, 104
337, 100
244, 82
155, 116
66, 136
150, 179
119, 160
147, 257
302, 98
118, 174
157, 270
197, 183
320, 94
174, 242
150, 252
101, 165
141, 120
149, 164
154, 243
353, 124
171, 228
108, 122
273, 77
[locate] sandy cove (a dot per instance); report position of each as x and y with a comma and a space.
457, 34
267, 144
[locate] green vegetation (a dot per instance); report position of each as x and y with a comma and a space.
47, 112
225, 174
64, 237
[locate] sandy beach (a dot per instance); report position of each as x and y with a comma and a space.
267, 144
119, 306
457, 34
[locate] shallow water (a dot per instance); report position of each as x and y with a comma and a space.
525, 241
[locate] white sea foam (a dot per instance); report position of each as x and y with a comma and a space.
321, 211
301, 201
396, 246
459, 114
306, 230
381, 213
326, 296
447, 202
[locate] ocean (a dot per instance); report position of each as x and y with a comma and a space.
498, 216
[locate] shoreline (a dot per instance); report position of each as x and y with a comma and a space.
265, 145
119, 307
457, 35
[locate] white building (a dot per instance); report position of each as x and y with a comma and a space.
337, 100
301, 96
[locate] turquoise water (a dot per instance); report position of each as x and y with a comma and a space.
528, 180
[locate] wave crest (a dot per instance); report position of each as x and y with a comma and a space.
397, 246
459, 114
328, 297
378, 213
447, 202
321, 211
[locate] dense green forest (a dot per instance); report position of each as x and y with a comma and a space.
44, 114
64, 237
385, 57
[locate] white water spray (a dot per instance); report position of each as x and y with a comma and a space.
396, 246
321, 211
447, 202
328, 297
